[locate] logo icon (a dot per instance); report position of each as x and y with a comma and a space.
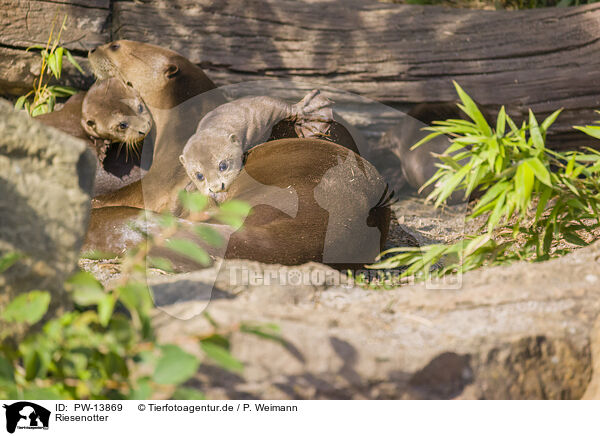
26, 415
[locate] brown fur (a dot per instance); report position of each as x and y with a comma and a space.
106, 104
168, 83
331, 207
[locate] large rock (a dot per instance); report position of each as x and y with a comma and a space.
518, 331
46, 181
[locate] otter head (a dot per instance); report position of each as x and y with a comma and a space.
212, 160
163, 78
115, 112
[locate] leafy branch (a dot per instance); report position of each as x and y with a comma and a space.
106, 348
537, 203
42, 98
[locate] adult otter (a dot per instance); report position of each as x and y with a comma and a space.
213, 156
322, 203
171, 86
109, 112
168, 83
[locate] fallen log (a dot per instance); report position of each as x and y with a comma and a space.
541, 59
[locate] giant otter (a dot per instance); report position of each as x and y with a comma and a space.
213, 156
109, 112
168, 84
321, 202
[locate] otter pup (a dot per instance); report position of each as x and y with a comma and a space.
116, 113
213, 156
108, 112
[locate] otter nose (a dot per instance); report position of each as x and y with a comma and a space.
217, 187
93, 50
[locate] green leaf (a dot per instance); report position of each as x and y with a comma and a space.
524, 179
87, 291
143, 391
593, 131
570, 165
58, 53
546, 193
210, 235
31, 362
29, 307
161, 263
135, 297
550, 120
222, 357
40, 109
7, 371
540, 171
20, 102
426, 139
9, 259
62, 91
193, 201
534, 131
53, 65
190, 250
36, 47
575, 239
105, 309
175, 366
236, 207
501, 122
471, 109
73, 62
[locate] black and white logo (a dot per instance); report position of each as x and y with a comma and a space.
26, 416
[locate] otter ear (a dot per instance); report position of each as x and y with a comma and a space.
182, 159
233, 138
171, 71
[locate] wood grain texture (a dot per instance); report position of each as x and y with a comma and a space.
26, 22
396, 54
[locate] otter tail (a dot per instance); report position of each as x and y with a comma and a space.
312, 115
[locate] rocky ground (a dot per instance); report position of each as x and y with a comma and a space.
518, 331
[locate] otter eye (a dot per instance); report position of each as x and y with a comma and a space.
123, 125
223, 166
140, 108
200, 176
91, 123
115, 46
129, 84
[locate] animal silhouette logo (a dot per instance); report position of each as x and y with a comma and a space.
26, 415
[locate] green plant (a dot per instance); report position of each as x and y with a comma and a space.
106, 348
537, 203
42, 98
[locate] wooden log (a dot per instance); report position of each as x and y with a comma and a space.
24, 23
542, 59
